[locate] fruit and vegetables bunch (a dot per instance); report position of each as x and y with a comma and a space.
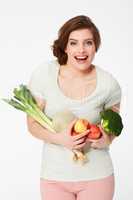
83, 125
111, 121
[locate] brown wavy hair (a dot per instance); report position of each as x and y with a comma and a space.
75, 23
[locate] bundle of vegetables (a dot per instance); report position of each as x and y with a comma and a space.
24, 101
111, 121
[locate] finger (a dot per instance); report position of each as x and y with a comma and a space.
88, 141
80, 141
76, 137
96, 140
100, 127
94, 145
91, 140
102, 131
79, 146
87, 131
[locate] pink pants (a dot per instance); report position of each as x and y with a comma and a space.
102, 189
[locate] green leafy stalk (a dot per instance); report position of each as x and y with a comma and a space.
24, 101
15, 104
44, 117
40, 120
32, 102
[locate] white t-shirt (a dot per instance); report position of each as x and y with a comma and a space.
57, 163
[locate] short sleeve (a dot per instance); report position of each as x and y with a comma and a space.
38, 81
114, 95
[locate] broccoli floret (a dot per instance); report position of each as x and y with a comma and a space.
111, 122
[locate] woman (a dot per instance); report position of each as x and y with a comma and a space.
73, 83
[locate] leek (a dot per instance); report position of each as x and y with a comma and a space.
24, 101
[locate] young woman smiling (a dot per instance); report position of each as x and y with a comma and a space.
72, 82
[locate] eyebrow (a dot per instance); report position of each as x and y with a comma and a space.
91, 39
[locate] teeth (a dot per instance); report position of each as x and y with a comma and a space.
81, 57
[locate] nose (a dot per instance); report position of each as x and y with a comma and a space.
81, 48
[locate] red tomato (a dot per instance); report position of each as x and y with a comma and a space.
95, 132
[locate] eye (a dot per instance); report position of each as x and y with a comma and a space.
72, 43
89, 43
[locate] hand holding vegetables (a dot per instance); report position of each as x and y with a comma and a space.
83, 125
102, 142
111, 126
99, 135
24, 101
73, 142
111, 123
63, 122
74, 132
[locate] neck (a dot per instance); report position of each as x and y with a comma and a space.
67, 70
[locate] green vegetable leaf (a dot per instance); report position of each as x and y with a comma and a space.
111, 122
15, 104
24, 101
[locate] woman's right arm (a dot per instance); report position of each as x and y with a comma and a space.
40, 132
64, 138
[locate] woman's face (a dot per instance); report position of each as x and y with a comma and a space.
80, 49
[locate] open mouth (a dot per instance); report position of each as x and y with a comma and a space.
81, 58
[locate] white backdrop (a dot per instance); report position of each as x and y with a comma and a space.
27, 29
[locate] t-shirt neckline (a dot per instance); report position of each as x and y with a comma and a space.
72, 99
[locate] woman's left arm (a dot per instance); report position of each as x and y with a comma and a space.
105, 140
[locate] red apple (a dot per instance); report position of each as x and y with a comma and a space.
95, 132
81, 126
